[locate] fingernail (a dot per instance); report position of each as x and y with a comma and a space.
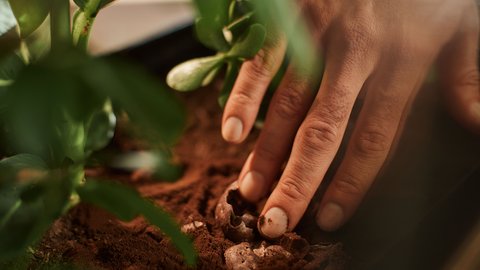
232, 129
274, 223
330, 217
252, 185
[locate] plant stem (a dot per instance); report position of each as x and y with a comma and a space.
60, 23
82, 24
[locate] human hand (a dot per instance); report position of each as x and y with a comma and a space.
382, 49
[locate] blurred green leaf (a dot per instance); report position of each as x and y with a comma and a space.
238, 8
213, 9
24, 221
25, 226
32, 166
212, 17
240, 24
211, 76
250, 44
283, 15
10, 66
37, 44
126, 204
11, 165
192, 74
20, 262
71, 134
147, 102
101, 128
21, 226
211, 35
230, 78
30, 14
43, 112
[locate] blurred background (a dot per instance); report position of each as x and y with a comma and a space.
129, 22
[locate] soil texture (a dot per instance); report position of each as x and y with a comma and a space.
92, 238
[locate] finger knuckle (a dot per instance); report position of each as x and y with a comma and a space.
360, 35
319, 135
336, 106
348, 184
242, 98
293, 189
260, 66
371, 142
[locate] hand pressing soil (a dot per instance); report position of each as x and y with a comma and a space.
238, 220
94, 239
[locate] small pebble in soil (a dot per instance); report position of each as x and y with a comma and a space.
192, 226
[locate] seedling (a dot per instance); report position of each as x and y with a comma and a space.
56, 110
228, 27
237, 30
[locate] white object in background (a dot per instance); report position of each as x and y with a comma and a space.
129, 22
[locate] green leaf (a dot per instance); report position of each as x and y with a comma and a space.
101, 128
240, 24
146, 101
30, 14
192, 74
251, 43
71, 133
44, 112
238, 8
213, 10
26, 215
10, 67
282, 15
126, 204
22, 161
212, 17
11, 166
230, 78
211, 35
21, 225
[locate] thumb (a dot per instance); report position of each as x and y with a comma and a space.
458, 68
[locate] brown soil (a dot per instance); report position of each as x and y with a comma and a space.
90, 237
